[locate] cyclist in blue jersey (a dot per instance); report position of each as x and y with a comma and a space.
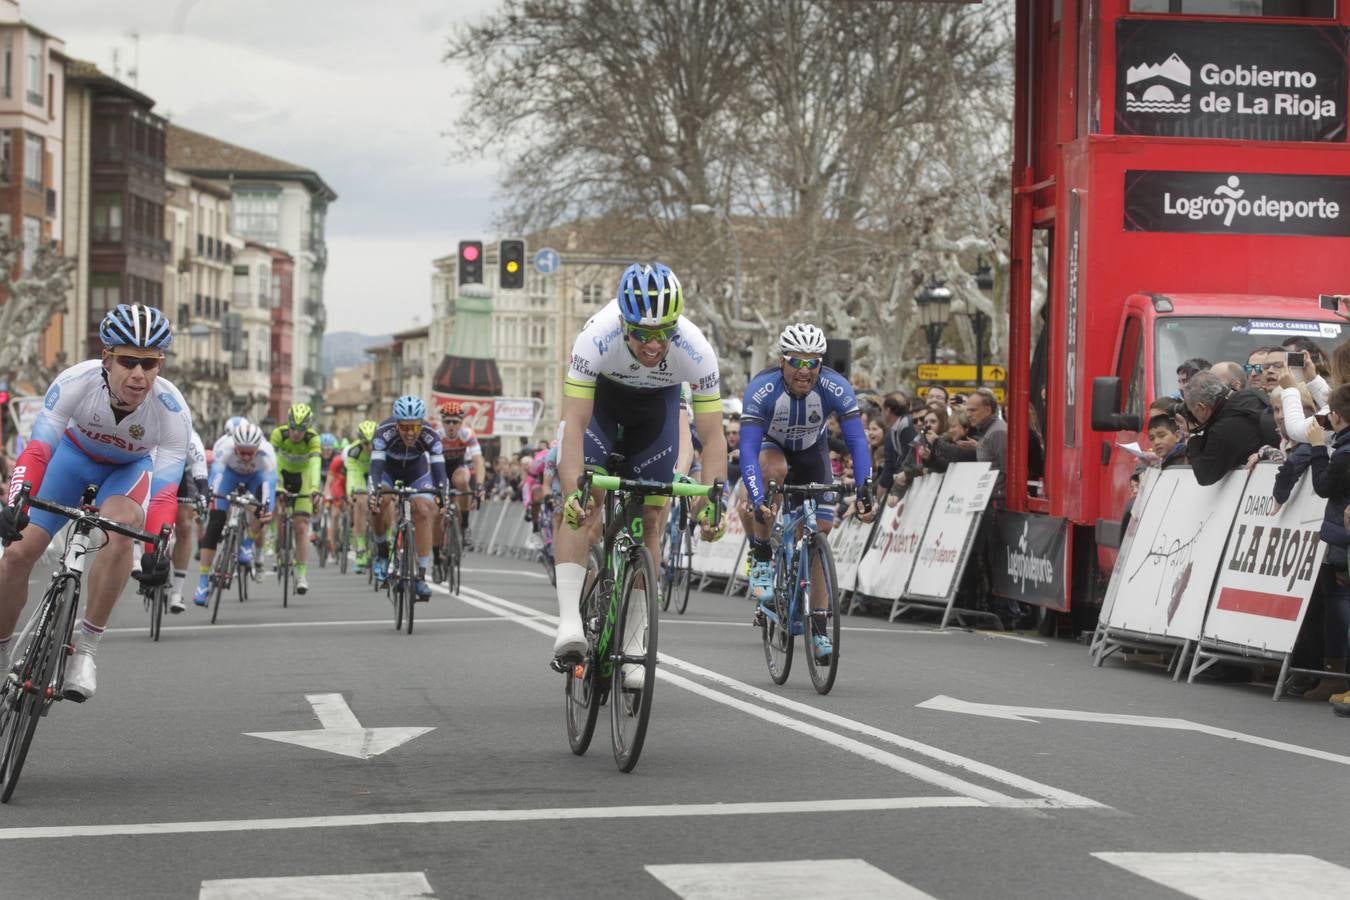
406, 449
783, 441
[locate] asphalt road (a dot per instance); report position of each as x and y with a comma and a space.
159, 786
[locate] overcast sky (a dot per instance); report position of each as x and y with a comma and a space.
353, 90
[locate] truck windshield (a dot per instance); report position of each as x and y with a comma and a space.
1220, 338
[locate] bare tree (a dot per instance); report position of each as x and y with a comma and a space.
33, 299
843, 142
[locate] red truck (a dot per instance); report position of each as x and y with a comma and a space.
1183, 181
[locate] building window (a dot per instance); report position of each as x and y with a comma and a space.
32, 161
105, 292
36, 77
106, 212
241, 283
7, 76
6, 155
257, 215
592, 294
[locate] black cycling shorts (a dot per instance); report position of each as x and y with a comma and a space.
642, 426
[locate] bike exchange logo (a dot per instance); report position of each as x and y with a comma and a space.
1230, 201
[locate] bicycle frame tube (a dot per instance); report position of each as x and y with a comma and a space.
619, 542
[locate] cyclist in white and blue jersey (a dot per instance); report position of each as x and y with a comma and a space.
783, 441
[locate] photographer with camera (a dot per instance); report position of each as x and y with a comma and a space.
1225, 426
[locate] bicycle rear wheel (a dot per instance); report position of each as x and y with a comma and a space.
776, 632
454, 552
321, 539
26, 697
287, 552
635, 634
582, 687
823, 669
344, 542
669, 551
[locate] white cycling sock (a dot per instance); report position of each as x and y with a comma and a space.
571, 577
87, 640
178, 579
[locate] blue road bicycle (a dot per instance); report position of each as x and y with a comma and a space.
802, 567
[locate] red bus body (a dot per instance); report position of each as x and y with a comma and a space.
1104, 270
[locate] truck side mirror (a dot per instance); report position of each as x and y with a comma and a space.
1106, 414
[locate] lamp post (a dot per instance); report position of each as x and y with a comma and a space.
704, 209
935, 308
979, 321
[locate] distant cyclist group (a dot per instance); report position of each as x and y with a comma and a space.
642, 388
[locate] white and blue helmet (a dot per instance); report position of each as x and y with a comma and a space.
650, 296
134, 325
409, 407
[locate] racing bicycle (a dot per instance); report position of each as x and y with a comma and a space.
677, 557
401, 574
227, 569
621, 630
36, 677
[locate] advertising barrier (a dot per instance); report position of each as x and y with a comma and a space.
1265, 577
889, 555
951, 531
720, 559
1029, 559
848, 541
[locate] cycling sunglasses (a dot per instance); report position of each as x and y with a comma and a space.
1252, 368
148, 363
797, 362
643, 335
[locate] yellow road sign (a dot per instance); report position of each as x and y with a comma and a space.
960, 372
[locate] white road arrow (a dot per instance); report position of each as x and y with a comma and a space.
1034, 714
341, 732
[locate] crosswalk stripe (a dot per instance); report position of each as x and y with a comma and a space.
1252, 876
377, 886
797, 879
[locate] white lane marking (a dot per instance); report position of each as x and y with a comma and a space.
487, 816
1004, 636
784, 880
340, 732
1222, 876
1034, 713
343, 623
845, 628
1058, 796
503, 572
378, 886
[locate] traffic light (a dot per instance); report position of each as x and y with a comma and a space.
511, 256
470, 262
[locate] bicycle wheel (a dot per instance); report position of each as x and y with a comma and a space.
287, 555
393, 583
409, 572
823, 669
321, 539
26, 697
776, 632
583, 691
669, 545
343, 542
221, 567
157, 603
635, 633
684, 572
453, 553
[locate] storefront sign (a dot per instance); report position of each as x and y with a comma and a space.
1237, 203
1231, 80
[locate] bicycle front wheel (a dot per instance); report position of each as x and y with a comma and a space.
287, 555
393, 583
408, 573
823, 666
684, 572
344, 543
25, 697
776, 632
582, 688
222, 566
454, 552
634, 655
157, 603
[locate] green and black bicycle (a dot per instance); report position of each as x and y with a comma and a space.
619, 612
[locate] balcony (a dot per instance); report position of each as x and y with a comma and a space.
209, 370
152, 245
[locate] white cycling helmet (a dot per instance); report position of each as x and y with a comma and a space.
248, 435
801, 338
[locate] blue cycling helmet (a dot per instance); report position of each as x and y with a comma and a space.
134, 325
650, 296
234, 422
409, 407
327, 440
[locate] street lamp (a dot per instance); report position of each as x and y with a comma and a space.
979, 321
704, 209
935, 307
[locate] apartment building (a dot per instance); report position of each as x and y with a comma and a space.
32, 141
281, 206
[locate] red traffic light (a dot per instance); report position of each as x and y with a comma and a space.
470, 252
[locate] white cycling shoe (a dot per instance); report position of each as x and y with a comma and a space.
81, 678
570, 641
176, 604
